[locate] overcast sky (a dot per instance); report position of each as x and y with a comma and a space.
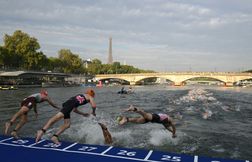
160, 35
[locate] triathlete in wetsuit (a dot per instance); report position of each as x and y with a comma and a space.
72, 103
149, 117
69, 106
26, 105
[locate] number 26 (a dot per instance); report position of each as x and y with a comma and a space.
124, 152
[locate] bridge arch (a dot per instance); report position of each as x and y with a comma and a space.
179, 77
243, 82
154, 79
114, 80
204, 80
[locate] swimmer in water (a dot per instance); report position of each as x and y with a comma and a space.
107, 136
69, 106
26, 105
207, 114
149, 117
122, 91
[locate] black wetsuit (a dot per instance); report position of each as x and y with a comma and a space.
32, 100
159, 118
72, 103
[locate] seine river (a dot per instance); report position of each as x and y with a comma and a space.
226, 132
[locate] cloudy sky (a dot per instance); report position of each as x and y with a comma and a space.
160, 35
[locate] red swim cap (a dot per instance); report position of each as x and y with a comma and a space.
90, 92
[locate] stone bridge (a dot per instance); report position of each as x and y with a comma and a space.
178, 77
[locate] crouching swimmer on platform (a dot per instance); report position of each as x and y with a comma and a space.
149, 117
69, 106
26, 105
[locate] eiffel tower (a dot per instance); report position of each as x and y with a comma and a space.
110, 58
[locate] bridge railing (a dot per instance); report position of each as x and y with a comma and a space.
180, 73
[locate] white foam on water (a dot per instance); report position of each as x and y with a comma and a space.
236, 153
218, 148
191, 109
211, 99
197, 94
207, 114
189, 149
237, 108
86, 130
123, 137
208, 101
178, 116
161, 137
217, 103
225, 108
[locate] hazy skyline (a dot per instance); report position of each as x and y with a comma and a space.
160, 35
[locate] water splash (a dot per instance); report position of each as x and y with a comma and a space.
218, 148
86, 131
161, 137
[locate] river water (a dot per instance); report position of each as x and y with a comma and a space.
225, 132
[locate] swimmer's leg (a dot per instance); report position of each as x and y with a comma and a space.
55, 139
22, 111
147, 116
50, 122
62, 128
21, 123
139, 120
7, 126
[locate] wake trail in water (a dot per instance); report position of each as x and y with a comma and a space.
200, 101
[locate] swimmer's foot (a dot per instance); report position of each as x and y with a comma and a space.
131, 108
55, 139
123, 120
40, 134
14, 134
7, 126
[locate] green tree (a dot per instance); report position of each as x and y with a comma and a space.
2, 54
6, 58
22, 50
55, 64
95, 67
248, 71
71, 63
116, 66
36, 61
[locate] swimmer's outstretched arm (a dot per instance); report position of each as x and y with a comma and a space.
106, 134
93, 104
52, 103
80, 113
35, 110
171, 127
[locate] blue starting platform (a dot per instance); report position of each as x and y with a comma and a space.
25, 149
